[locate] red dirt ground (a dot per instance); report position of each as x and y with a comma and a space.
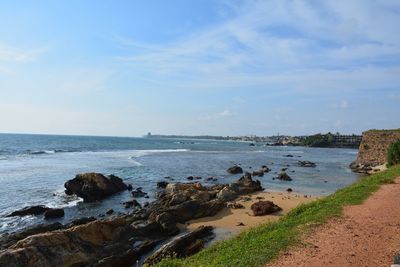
367, 235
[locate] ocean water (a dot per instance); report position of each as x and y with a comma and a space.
33, 169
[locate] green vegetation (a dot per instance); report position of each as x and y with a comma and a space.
262, 244
393, 153
319, 140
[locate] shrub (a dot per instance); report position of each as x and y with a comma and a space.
393, 153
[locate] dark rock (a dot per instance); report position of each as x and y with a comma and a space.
94, 186
284, 177
183, 246
130, 188
265, 169
289, 189
138, 193
54, 213
131, 203
110, 211
284, 169
162, 184
32, 210
235, 170
252, 144
210, 179
306, 163
289, 156
198, 178
190, 178
258, 173
80, 221
261, 208
240, 224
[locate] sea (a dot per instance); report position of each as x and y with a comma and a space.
34, 168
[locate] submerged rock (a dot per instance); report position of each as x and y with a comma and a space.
235, 170
306, 163
94, 186
261, 208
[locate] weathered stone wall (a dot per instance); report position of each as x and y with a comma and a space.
373, 148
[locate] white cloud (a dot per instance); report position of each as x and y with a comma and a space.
287, 43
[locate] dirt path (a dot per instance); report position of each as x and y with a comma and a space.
367, 235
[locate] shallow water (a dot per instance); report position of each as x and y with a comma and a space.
33, 169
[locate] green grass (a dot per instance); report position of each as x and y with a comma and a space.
259, 245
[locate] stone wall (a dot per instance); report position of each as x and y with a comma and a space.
373, 149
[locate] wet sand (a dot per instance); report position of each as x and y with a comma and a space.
227, 221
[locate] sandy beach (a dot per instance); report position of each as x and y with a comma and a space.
229, 221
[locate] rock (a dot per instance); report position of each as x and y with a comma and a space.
54, 213
284, 177
252, 144
258, 173
284, 169
94, 186
130, 187
234, 205
289, 156
138, 193
265, 169
190, 178
198, 178
306, 163
289, 190
210, 179
31, 210
178, 198
110, 211
131, 203
235, 170
261, 208
183, 246
227, 194
162, 184
83, 245
240, 224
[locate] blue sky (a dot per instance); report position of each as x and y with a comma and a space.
199, 67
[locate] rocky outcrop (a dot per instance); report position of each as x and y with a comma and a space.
123, 239
373, 149
94, 186
235, 170
261, 208
183, 246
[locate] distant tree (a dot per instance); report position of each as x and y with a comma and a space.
393, 153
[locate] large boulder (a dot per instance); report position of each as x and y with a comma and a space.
94, 186
235, 170
261, 208
227, 194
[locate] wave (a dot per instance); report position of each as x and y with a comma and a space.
41, 152
145, 152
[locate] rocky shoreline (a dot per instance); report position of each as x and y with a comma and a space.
122, 240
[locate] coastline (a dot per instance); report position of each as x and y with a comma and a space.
230, 222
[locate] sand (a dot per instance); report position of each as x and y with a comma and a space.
227, 221
367, 235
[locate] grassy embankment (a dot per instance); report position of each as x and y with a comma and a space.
259, 245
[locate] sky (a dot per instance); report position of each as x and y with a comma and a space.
125, 68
